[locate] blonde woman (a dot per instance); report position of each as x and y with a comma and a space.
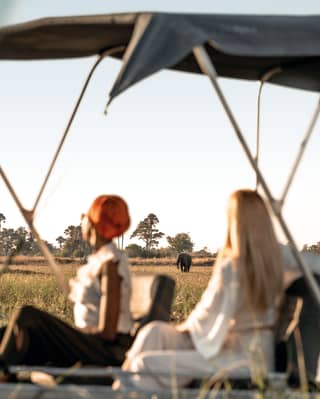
231, 330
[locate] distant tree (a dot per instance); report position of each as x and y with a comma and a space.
135, 251
312, 247
34, 249
13, 241
50, 247
203, 253
72, 244
60, 240
24, 241
147, 232
166, 252
19, 241
31, 247
72, 241
8, 242
181, 242
2, 219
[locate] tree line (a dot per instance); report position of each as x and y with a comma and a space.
312, 247
71, 244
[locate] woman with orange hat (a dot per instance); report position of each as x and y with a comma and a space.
101, 294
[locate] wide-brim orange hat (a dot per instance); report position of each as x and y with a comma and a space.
109, 215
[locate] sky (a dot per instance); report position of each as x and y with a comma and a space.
165, 145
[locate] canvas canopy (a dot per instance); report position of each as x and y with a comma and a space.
240, 46
280, 49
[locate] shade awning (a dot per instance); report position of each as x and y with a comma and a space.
240, 46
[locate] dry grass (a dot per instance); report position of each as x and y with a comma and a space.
30, 281
38, 260
170, 261
33, 285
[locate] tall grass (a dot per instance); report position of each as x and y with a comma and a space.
33, 284
37, 289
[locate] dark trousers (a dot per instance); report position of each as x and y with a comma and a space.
46, 340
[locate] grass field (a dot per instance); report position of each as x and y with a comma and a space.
30, 281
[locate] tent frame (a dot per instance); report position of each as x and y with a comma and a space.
208, 69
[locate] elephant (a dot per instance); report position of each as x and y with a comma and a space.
184, 262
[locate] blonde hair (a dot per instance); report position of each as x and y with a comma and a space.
252, 246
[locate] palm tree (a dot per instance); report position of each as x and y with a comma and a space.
2, 219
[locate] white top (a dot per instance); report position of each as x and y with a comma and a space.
220, 313
85, 289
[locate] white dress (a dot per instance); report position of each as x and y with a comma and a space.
225, 338
85, 289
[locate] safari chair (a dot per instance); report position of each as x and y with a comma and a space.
151, 299
299, 353
297, 333
297, 343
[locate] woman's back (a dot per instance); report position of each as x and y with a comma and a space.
231, 330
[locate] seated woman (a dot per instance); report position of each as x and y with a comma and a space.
101, 294
230, 333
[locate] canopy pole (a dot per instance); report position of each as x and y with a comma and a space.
73, 114
208, 69
302, 148
258, 132
268, 75
28, 216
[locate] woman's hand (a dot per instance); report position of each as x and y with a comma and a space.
182, 327
89, 330
99, 334
93, 331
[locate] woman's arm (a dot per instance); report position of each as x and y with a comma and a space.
110, 301
209, 322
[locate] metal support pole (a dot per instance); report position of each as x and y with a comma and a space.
302, 148
28, 216
100, 58
208, 69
